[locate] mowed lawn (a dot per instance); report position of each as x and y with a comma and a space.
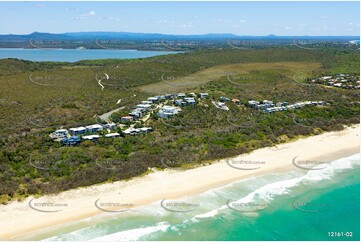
169, 84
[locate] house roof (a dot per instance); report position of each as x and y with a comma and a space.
77, 129
91, 137
144, 105
112, 135
94, 126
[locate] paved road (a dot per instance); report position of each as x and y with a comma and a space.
105, 116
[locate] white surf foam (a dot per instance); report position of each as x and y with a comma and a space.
133, 234
267, 192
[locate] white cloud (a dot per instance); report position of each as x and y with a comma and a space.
84, 15
242, 21
91, 13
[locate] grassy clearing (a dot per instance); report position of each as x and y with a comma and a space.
189, 82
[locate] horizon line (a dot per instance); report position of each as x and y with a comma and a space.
200, 34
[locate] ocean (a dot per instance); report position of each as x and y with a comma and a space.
319, 204
73, 55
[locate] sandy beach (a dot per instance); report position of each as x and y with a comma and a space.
28, 216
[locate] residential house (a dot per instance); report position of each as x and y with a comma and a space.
137, 113
167, 111
153, 99
91, 137
131, 131
220, 105
169, 96
236, 101
110, 126
224, 99
112, 135
127, 119
281, 104
180, 102
253, 103
161, 98
59, 134
190, 101
94, 128
181, 95
203, 95
73, 140
267, 102
326, 77
145, 107
77, 131
145, 129
146, 102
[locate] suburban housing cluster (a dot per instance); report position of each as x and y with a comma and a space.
164, 106
269, 107
345, 81
141, 111
73, 136
265, 105
168, 105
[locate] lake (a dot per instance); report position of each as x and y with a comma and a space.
73, 55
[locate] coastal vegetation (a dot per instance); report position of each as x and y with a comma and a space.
36, 98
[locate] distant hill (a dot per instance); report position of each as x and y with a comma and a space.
157, 36
156, 41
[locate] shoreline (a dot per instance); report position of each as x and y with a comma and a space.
21, 220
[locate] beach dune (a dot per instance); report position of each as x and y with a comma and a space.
33, 214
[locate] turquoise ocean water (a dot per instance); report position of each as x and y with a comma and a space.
296, 205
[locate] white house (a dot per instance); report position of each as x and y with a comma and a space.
109, 126
94, 128
145, 129
168, 111
146, 102
153, 99
203, 95
136, 113
60, 133
181, 95
91, 137
131, 131
190, 100
144, 106
253, 103
220, 105
112, 135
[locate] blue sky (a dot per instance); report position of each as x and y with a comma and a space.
242, 18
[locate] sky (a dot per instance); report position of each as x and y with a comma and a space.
241, 18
